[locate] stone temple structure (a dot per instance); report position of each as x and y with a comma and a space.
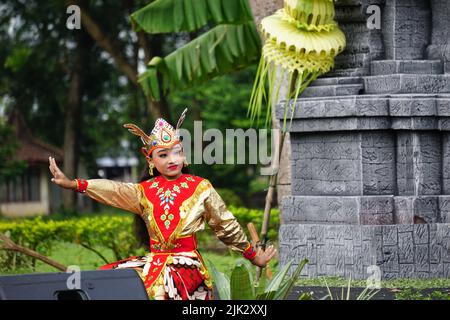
370, 149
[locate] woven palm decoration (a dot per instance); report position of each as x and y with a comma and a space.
302, 39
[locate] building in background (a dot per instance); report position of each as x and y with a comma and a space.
122, 168
32, 192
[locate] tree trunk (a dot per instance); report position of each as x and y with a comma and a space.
156, 109
73, 115
7, 244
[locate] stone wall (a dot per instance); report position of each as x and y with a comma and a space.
370, 150
401, 251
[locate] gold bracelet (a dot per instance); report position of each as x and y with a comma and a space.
76, 184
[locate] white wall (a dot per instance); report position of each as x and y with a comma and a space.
32, 208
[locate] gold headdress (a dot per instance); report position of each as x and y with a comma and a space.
162, 136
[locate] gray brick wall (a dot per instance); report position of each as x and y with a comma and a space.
440, 40
400, 251
406, 28
370, 147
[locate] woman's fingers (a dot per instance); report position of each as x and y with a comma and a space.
55, 167
267, 254
58, 172
50, 165
270, 253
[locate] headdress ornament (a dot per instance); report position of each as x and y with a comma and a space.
163, 134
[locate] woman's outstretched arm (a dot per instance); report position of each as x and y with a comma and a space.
126, 196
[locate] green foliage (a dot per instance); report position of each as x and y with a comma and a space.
245, 215
17, 59
243, 287
38, 54
414, 294
222, 282
282, 286
229, 197
9, 166
165, 16
367, 294
221, 50
112, 232
392, 284
241, 282
232, 44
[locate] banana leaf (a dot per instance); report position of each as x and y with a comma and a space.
266, 295
286, 288
222, 282
221, 50
278, 279
241, 284
164, 16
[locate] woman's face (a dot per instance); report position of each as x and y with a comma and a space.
168, 161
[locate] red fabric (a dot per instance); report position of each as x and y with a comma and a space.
180, 245
112, 265
81, 185
249, 253
159, 206
186, 279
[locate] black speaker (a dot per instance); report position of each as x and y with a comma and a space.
123, 284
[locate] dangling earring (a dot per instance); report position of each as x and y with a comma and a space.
150, 169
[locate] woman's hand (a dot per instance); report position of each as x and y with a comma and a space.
263, 257
59, 177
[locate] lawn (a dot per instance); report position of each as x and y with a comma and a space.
224, 260
392, 284
74, 254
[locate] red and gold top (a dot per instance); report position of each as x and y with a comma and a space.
174, 210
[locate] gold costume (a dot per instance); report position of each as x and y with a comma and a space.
173, 211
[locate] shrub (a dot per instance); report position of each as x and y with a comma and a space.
246, 215
112, 231
230, 197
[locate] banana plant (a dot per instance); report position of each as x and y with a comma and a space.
241, 284
231, 44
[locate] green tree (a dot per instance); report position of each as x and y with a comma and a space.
9, 165
65, 81
231, 43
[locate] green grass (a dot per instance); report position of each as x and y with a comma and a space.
413, 294
69, 254
73, 254
396, 283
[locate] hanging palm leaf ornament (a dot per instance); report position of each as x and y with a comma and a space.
301, 39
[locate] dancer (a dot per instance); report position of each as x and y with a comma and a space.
174, 206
